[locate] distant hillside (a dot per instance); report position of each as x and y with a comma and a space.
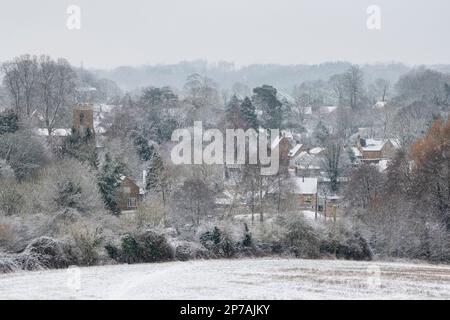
225, 74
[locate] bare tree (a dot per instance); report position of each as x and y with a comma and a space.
333, 162
354, 82
56, 86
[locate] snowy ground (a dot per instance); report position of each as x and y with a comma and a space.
234, 279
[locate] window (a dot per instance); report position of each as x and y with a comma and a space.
81, 118
131, 203
308, 199
126, 190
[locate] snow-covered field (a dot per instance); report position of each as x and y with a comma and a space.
234, 279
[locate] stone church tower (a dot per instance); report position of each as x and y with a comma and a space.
83, 119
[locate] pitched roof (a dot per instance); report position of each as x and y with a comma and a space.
377, 145
295, 149
56, 132
304, 185
316, 150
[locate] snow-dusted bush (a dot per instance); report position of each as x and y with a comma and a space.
343, 243
301, 238
11, 198
86, 243
150, 213
8, 264
147, 246
69, 184
8, 236
43, 253
188, 250
218, 242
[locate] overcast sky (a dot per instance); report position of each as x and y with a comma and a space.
135, 32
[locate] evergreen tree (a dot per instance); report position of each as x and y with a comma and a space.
233, 113
156, 179
265, 98
108, 181
144, 150
80, 148
8, 122
249, 114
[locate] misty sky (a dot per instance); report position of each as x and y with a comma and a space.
135, 32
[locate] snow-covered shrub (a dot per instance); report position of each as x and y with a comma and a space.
148, 246
301, 238
69, 184
43, 252
344, 243
218, 242
11, 199
7, 236
150, 213
189, 250
7, 264
86, 243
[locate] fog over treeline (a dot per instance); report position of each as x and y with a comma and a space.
226, 74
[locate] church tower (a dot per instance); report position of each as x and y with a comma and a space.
83, 119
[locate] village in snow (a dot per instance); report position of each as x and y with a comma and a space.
189, 180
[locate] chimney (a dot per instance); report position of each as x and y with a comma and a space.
362, 142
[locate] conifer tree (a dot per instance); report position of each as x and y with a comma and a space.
156, 179
8, 122
233, 113
109, 178
249, 114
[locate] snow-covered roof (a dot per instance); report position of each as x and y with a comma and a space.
382, 165
303, 185
327, 109
316, 150
284, 96
102, 107
356, 152
37, 114
295, 149
287, 134
379, 105
377, 145
306, 161
56, 132
86, 89
225, 198
373, 145
395, 143
307, 110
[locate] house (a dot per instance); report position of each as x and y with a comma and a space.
304, 192
373, 150
128, 194
300, 191
306, 165
284, 146
295, 151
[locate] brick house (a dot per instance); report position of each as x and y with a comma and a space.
128, 194
301, 192
304, 191
373, 151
